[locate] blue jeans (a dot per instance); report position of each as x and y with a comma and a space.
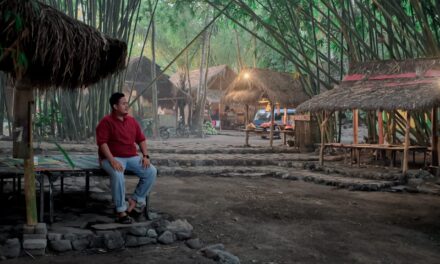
147, 177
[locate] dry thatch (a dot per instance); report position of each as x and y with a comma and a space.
253, 85
58, 50
141, 78
383, 85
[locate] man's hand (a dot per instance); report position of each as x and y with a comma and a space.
116, 165
145, 162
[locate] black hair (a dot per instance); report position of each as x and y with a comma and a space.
114, 99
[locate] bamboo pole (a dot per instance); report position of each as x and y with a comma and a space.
355, 126
434, 142
406, 146
22, 146
272, 123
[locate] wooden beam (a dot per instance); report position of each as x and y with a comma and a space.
380, 126
272, 122
434, 141
355, 126
406, 147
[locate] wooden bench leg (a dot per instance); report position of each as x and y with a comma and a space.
41, 181
147, 208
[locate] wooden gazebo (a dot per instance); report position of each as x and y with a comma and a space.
408, 85
48, 49
253, 85
139, 76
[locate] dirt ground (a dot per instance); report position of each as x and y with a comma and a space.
265, 220
268, 220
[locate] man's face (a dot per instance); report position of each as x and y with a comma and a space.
122, 107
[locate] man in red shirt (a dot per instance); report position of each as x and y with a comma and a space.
116, 135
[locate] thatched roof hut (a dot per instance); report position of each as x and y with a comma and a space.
218, 79
252, 85
57, 49
139, 76
383, 85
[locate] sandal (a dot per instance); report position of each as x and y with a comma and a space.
126, 220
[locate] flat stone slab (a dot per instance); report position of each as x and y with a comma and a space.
112, 226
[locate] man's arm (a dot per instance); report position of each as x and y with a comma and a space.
109, 156
145, 159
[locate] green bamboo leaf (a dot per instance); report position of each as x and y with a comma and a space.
66, 156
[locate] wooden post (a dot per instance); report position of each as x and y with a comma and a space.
434, 141
406, 147
380, 126
321, 150
285, 116
355, 126
322, 128
246, 121
22, 146
272, 122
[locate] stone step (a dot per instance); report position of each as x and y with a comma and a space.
223, 150
336, 180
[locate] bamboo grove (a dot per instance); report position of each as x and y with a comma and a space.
316, 39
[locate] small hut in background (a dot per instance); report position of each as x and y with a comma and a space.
253, 85
409, 85
138, 78
218, 79
48, 49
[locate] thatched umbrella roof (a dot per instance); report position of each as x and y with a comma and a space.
383, 85
252, 85
141, 78
58, 50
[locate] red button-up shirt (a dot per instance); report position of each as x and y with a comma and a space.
119, 135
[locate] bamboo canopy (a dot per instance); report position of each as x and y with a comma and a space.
140, 77
58, 50
254, 84
218, 79
383, 85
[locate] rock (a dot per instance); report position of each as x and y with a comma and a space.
210, 251
34, 236
194, 243
146, 241
62, 245
35, 247
152, 233
69, 236
12, 248
161, 225
80, 244
225, 257
166, 238
181, 228
138, 231
41, 228
97, 242
114, 240
28, 229
131, 241
54, 236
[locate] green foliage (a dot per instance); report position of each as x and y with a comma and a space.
208, 129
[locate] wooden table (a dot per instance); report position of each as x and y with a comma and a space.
55, 167
393, 148
264, 132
